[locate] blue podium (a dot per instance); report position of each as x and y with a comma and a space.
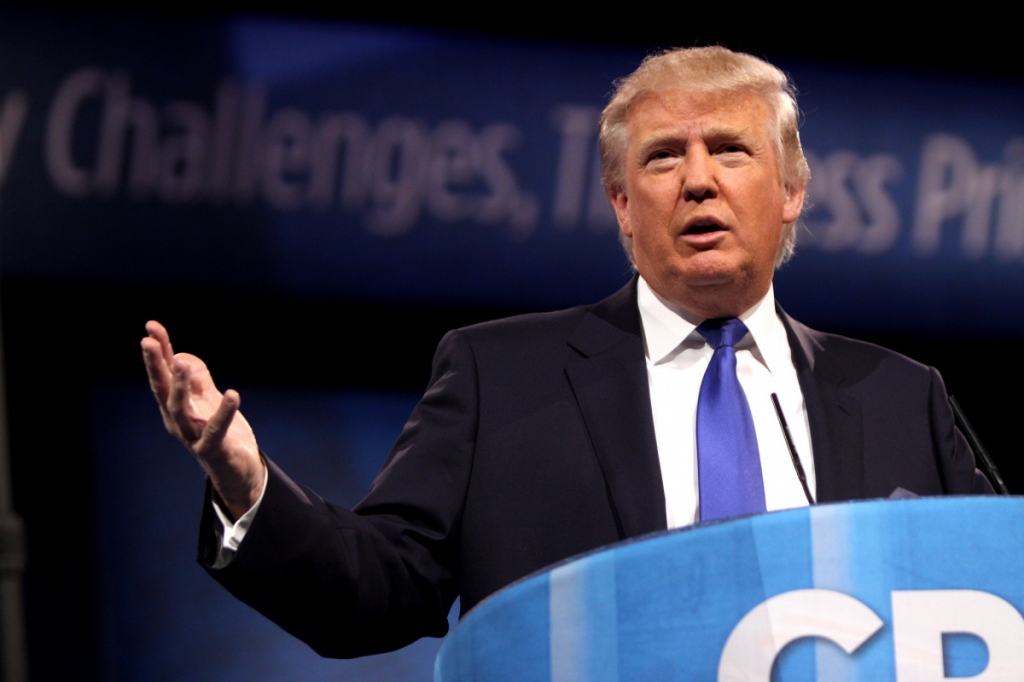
914, 590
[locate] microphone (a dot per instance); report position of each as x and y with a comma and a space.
792, 449
988, 467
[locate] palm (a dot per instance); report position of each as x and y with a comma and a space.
205, 420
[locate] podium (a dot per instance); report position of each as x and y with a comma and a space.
903, 590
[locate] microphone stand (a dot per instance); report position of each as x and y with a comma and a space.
797, 466
987, 466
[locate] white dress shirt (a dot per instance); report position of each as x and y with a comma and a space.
677, 357
233, 532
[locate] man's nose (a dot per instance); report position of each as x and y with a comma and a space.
700, 182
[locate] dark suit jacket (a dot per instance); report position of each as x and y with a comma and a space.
534, 442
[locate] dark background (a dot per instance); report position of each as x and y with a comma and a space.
63, 337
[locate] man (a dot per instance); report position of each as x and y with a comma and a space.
544, 436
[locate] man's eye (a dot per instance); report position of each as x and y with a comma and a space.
731, 149
662, 156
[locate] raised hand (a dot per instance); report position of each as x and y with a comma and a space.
206, 421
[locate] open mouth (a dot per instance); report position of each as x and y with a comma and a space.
704, 228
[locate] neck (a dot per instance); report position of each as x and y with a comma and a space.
709, 304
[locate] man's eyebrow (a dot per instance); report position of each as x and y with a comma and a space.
713, 132
720, 132
666, 138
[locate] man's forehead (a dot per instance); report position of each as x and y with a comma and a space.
679, 107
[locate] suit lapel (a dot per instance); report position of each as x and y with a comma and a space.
609, 382
834, 416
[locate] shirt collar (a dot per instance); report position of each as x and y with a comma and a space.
667, 326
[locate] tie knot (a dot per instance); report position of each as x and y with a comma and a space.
722, 331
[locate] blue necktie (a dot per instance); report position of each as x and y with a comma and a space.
728, 462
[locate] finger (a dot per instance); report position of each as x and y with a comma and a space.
157, 370
159, 332
218, 425
179, 401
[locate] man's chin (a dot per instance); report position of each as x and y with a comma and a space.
711, 281
720, 292
711, 274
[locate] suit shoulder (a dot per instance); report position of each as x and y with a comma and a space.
596, 324
858, 358
523, 344
526, 328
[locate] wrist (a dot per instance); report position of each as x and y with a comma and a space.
239, 498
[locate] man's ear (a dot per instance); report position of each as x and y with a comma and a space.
794, 204
620, 202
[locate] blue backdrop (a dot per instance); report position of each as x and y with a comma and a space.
347, 161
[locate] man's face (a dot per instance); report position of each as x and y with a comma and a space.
704, 200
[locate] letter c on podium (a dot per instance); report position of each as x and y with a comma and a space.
757, 639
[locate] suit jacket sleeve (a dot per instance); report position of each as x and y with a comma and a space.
353, 583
